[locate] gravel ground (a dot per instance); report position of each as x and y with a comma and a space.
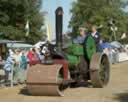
116, 91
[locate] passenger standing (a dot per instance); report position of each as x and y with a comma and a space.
96, 36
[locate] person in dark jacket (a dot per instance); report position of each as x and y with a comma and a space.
97, 37
95, 33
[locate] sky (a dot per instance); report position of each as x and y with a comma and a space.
50, 6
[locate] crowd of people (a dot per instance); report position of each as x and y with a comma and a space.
18, 62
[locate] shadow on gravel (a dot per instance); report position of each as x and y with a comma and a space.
81, 84
122, 97
24, 91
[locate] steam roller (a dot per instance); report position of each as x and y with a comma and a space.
67, 64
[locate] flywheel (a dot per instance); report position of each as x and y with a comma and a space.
89, 47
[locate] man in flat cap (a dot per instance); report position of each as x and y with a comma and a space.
80, 38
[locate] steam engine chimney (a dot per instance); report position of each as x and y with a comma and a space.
59, 26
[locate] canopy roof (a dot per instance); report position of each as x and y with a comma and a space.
19, 45
9, 41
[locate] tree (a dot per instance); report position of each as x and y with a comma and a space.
99, 12
13, 17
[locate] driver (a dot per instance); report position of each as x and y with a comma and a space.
80, 38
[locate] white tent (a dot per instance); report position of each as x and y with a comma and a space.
116, 44
40, 43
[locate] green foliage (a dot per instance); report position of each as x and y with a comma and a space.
14, 15
124, 41
99, 12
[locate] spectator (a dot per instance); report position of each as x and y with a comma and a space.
11, 52
17, 66
32, 57
38, 54
23, 68
8, 66
24, 60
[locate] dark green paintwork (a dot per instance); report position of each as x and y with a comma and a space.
74, 51
73, 60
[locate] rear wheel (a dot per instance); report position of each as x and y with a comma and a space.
99, 70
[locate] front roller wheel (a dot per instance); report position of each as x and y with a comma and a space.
99, 70
45, 80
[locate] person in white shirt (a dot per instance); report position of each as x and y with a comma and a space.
95, 33
96, 36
